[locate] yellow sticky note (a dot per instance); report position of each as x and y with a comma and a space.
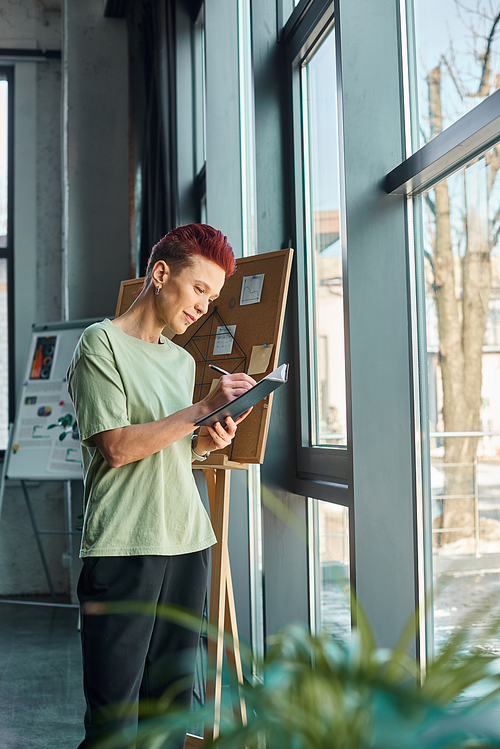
259, 360
214, 385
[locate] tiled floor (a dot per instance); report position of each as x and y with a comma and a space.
41, 697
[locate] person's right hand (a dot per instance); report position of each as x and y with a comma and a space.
228, 388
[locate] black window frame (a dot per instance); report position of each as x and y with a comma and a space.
322, 471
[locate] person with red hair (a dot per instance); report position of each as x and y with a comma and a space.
193, 239
146, 534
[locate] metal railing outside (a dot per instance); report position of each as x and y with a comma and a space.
474, 495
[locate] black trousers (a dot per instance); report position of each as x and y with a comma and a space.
132, 657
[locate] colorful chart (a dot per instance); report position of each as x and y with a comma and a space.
43, 358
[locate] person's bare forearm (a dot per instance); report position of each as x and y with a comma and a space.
137, 441
128, 444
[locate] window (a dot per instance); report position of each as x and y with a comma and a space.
324, 259
454, 73
6, 285
322, 468
461, 253
457, 60
329, 566
322, 453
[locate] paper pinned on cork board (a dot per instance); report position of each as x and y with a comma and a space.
260, 358
251, 289
214, 384
224, 339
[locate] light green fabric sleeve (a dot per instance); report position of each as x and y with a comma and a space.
97, 392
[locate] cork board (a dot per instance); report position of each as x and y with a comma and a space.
257, 324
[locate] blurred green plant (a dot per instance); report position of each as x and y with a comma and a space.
68, 425
315, 692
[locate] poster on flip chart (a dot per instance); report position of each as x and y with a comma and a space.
45, 442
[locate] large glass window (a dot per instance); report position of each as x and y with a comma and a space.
323, 249
460, 243
322, 424
454, 65
457, 60
5, 266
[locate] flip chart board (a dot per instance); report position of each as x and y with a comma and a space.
236, 334
37, 451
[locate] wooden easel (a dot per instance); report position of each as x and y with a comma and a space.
222, 610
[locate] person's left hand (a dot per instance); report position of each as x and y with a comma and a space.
217, 437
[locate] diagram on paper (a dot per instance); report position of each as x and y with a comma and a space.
251, 289
224, 339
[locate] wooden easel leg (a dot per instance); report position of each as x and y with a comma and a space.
233, 645
218, 493
222, 609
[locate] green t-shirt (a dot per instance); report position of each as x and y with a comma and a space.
151, 506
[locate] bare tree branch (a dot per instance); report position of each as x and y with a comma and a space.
430, 203
494, 239
493, 161
429, 257
453, 78
484, 84
473, 11
424, 137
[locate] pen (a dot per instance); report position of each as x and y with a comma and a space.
218, 369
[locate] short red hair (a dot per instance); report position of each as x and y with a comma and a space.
176, 248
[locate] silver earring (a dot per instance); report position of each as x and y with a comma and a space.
157, 290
